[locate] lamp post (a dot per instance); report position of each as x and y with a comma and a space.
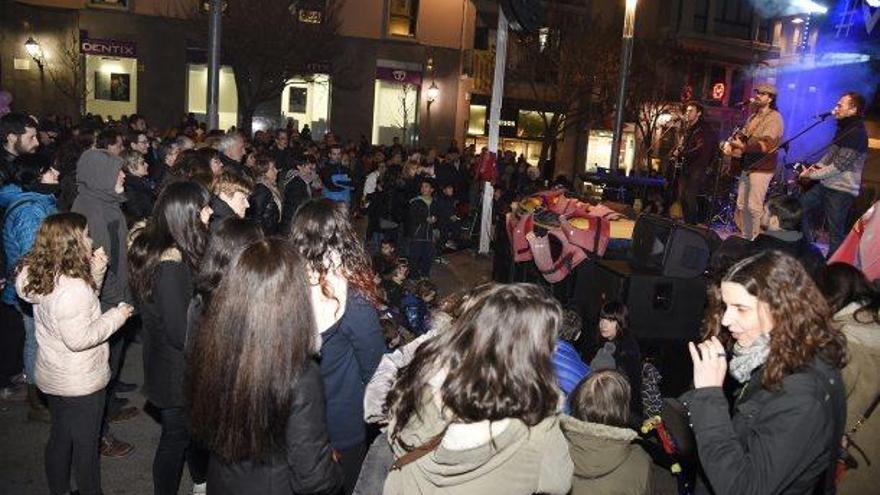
35, 51
625, 59
215, 31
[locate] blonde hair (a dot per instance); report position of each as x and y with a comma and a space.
230, 183
59, 249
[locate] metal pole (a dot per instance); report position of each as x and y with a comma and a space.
625, 59
215, 30
494, 120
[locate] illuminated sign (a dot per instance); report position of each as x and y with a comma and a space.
718, 90
114, 48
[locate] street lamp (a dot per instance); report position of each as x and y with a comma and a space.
35, 51
433, 92
625, 59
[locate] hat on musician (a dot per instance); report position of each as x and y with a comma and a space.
766, 88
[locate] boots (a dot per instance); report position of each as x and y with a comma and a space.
37, 411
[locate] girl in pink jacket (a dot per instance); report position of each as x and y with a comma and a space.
61, 278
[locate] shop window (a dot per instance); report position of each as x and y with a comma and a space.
306, 100
197, 94
530, 124
111, 85
395, 112
477, 120
599, 149
402, 17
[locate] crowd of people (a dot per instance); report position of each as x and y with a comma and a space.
285, 351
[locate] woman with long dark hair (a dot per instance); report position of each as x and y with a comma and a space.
254, 389
856, 306
476, 409
788, 417
340, 276
614, 328
163, 257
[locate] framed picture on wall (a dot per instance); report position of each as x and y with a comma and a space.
109, 4
298, 100
112, 86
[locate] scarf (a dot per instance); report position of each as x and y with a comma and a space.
747, 359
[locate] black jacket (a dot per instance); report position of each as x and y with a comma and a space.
221, 210
777, 442
165, 334
234, 166
417, 227
307, 465
794, 244
295, 194
138, 198
264, 210
628, 358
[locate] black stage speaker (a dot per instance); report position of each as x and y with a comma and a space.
665, 247
660, 307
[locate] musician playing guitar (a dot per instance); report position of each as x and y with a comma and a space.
757, 146
839, 171
694, 154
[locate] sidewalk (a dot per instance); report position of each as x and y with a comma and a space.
21, 458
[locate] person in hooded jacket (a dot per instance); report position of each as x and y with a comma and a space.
100, 187
606, 461
26, 200
475, 411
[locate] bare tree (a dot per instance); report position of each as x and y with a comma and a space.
268, 42
67, 71
569, 68
406, 112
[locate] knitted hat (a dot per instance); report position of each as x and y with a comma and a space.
604, 359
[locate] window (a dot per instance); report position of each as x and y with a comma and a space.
402, 17
395, 112
306, 100
733, 19
197, 93
477, 120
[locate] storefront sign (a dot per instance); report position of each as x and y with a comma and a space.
114, 48
399, 75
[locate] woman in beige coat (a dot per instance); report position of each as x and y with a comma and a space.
857, 310
61, 277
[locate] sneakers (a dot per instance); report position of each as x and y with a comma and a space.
200, 488
114, 447
122, 414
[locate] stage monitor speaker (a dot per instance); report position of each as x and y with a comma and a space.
660, 307
665, 247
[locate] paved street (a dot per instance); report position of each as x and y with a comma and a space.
21, 455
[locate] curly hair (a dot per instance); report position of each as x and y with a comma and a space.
498, 355
322, 233
802, 328
60, 248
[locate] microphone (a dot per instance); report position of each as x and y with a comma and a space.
744, 103
822, 116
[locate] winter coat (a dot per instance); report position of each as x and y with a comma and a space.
350, 352
96, 173
23, 214
862, 382
337, 183
570, 368
138, 198
306, 465
72, 333
263, 209
792, 243
165, 331
606, 461
296, 192
220, 211
513, 459
417, 227
777, 442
